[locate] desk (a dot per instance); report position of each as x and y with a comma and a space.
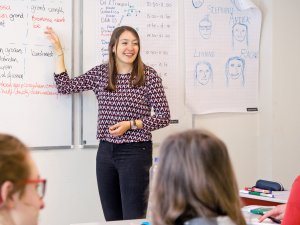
281, 197
251, 219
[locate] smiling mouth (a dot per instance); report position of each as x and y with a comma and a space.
129, 54
235, 76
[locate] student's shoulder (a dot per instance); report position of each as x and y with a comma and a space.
220, 220
297, 182
225, 220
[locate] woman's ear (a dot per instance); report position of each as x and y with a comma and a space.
5, 190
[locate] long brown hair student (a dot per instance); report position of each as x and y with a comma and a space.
195, 182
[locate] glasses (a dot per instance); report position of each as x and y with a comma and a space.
40, 186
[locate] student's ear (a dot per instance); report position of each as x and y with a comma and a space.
5, 189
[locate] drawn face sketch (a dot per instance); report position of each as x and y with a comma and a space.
203, 73
240, 32
205, 27
235, 69
197, 3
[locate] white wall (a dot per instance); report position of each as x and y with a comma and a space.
262, 145
286, 80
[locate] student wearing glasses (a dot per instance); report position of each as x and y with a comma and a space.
21, 188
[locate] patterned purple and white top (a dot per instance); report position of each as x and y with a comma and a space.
124, 104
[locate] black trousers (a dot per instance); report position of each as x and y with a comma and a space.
123, 178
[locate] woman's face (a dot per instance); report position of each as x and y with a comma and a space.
235, 68
25, 210
127, 49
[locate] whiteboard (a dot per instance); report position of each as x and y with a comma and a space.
157, 24
31, 108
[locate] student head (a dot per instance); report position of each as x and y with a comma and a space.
21, 189
195, 178
124, 54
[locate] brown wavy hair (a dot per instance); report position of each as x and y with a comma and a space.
195, 178
137, 75
14, 166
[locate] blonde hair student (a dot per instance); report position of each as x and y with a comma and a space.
21, 188
195, 182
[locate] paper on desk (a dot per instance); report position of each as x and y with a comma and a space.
252, 219
281, 194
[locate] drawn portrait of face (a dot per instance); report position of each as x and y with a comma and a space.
240, 32
203, 73
235, 69
205, 27
197, 3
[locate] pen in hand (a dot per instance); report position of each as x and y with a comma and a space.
274, 220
